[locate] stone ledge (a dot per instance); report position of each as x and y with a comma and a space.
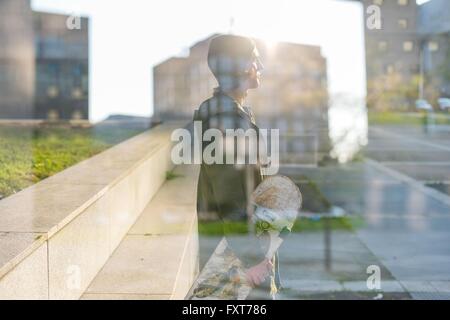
101, 196
17, 246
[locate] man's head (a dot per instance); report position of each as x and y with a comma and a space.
234, 61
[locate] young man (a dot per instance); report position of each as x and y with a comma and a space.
225, 189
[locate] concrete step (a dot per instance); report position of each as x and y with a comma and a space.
158, 257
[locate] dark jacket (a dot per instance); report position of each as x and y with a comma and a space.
225, 189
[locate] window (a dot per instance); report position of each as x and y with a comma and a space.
53, 114
408, 46
52, 92
382, 46
77, 70
433, 46
77, 93
402, 2
403, 23
390, 69
77, 115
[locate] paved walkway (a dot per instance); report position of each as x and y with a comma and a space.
405, 227
407, 149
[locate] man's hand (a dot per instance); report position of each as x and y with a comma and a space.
258, 273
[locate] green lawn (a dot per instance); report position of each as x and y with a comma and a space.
406, 118
30, 154
301, 225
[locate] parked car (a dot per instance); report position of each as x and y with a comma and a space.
423, 105
444, 103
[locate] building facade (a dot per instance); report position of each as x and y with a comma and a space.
62, 68
293, 96
44, 65
434, 37
17, 59
392, 55
406, 57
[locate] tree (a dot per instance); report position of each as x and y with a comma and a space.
392, 91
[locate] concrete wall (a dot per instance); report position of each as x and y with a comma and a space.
57, 235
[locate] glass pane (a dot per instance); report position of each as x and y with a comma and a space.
224, 149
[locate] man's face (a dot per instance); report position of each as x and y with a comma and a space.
254, 72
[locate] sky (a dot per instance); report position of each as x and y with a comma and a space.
128, 37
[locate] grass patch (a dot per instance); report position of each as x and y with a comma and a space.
215, 228
405, 118
31, 154
302, 224
171, 175
334, 223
